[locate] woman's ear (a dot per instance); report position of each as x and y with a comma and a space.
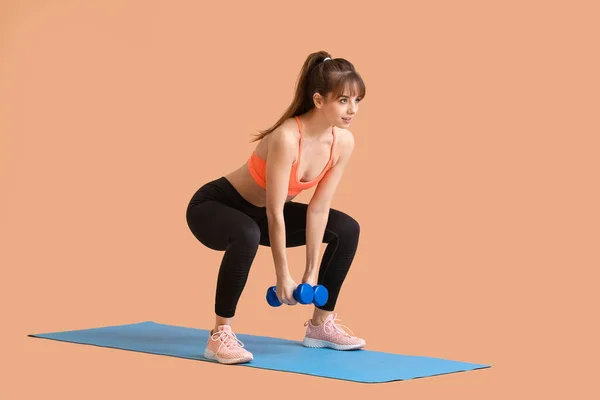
318, 100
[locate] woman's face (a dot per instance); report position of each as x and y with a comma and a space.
341, 110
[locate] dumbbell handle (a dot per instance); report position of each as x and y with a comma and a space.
304, 294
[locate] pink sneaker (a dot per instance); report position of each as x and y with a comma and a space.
330, 334
225, 347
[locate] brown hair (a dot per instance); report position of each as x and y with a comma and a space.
323, 77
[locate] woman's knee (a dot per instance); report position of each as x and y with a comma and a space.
354, 226
248, 234
348, 226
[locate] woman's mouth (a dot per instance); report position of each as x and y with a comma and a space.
347, 120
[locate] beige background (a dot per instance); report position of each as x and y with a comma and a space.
475, 179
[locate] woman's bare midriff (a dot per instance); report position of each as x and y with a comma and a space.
243, 182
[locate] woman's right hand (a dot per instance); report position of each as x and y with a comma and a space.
285, 290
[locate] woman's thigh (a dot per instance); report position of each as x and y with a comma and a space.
294, 215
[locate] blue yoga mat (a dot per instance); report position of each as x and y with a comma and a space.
269, 353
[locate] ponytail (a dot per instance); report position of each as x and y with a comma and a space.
302, 101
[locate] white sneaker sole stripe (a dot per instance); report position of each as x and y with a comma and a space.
317, 343
211, 355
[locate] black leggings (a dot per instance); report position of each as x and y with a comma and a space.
221, 219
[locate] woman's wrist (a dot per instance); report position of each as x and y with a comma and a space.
282, 273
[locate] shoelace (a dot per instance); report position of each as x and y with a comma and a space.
228, 339
338, 327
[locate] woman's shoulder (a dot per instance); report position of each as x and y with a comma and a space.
286, 134
285, 138
288, 128
344, 138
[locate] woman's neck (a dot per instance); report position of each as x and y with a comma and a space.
314, 124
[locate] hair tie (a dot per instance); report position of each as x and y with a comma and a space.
326, 58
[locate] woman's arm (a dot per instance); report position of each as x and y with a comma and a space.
318, 209
282, 148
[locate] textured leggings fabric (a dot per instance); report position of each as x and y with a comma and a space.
221, 219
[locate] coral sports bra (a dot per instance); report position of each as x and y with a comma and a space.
258, 168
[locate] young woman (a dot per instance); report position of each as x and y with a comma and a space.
309, 146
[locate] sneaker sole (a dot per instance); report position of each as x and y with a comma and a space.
211, 355
317, 343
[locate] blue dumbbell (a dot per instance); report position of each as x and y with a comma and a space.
304, 294
320, 296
